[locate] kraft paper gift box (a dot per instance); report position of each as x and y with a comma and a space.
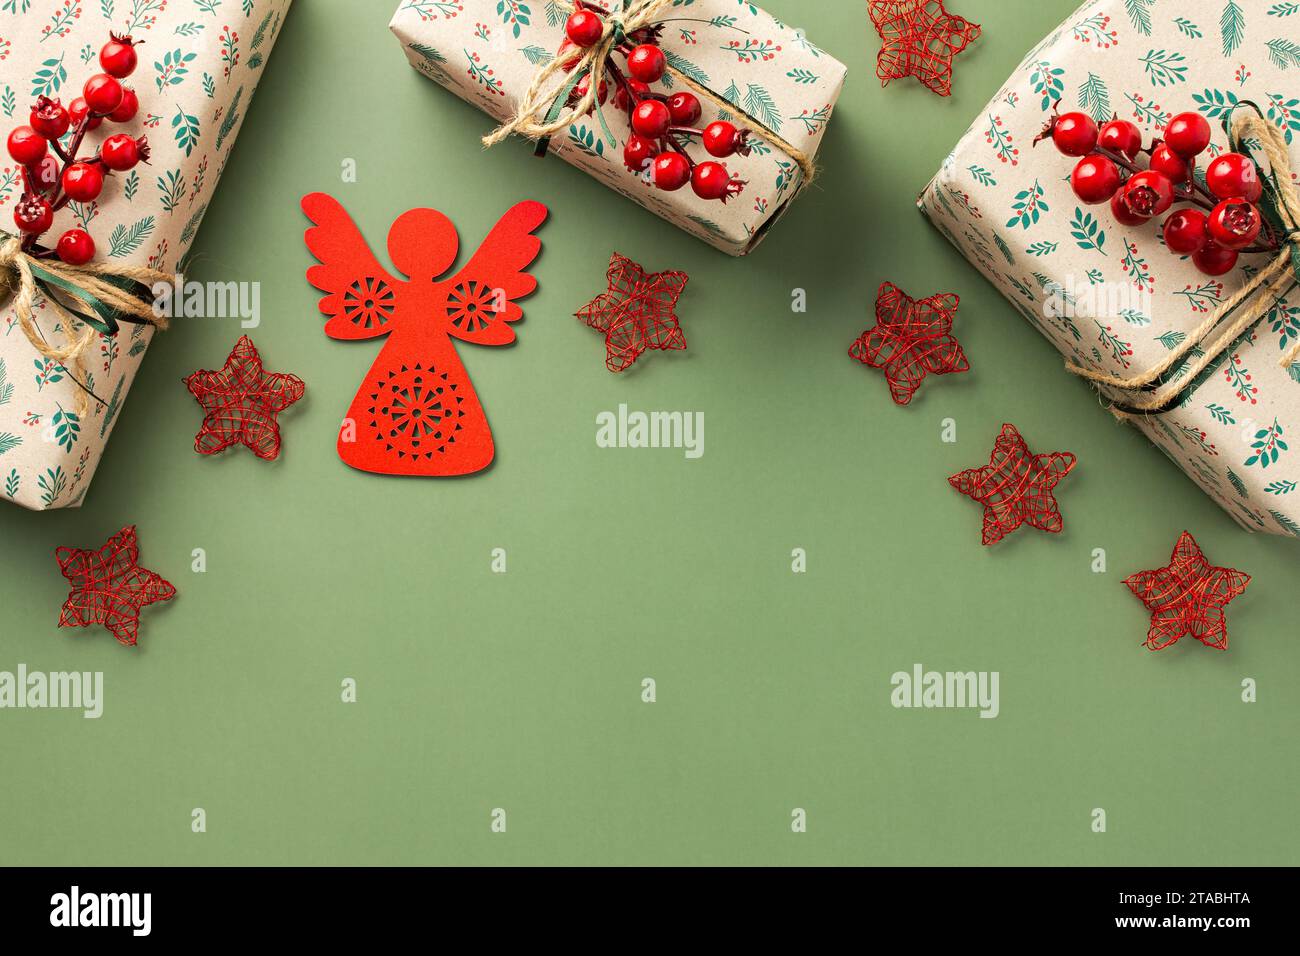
487, 52
198, 68
1235, 427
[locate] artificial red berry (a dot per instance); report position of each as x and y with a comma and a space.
569, 55
720, 139
584, 28
710, 180
1148, 193
33, 214
685, 109
75, 247
120, 152
671, 171
639, 92
83, 181
79, 111
1095, 179
651, 118
46, 172
1075, 134
1188, 134
27, 146
583, 85
1165, 160
647, 63
49, 118
639, 152
103, 93
127, 109
1234, 176
1235, 224
1214, 260
1122, 213
1120, 136
1185, 232
118, 56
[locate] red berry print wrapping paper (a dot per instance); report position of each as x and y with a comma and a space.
194, 90
1111, 297
487, 53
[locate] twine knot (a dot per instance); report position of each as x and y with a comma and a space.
88, 300
10, 252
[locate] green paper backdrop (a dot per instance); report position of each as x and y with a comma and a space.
523, 690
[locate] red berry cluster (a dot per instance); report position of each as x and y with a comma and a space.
52, 180
1227, 222
659, 122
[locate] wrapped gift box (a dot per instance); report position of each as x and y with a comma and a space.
199, 66
487, 52
1112, 298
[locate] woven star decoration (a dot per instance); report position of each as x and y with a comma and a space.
241, 402
636, 313
1186, 598
1016, 487
911, 339
109, 587
919, 38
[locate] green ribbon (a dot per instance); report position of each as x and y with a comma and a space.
100, 315
96, 313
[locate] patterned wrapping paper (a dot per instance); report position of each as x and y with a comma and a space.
1235, 429
199, 66
486, 52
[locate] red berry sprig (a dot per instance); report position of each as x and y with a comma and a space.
53, 175
660, 123
1225, 220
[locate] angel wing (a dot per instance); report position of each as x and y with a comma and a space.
481, 297
360, 296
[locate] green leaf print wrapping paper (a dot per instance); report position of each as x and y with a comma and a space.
487, 52
198, 67
1112, 298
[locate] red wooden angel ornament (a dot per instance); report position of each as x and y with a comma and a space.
417, 412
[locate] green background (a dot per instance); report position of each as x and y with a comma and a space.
522, 691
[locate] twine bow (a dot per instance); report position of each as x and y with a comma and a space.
1280, 206
540, 113
105, 295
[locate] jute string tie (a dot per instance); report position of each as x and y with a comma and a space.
92, 283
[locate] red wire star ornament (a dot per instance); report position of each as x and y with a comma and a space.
241, 402
911, 339
636, 313
919, 38
109, 587
1016, 487
1187, 597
